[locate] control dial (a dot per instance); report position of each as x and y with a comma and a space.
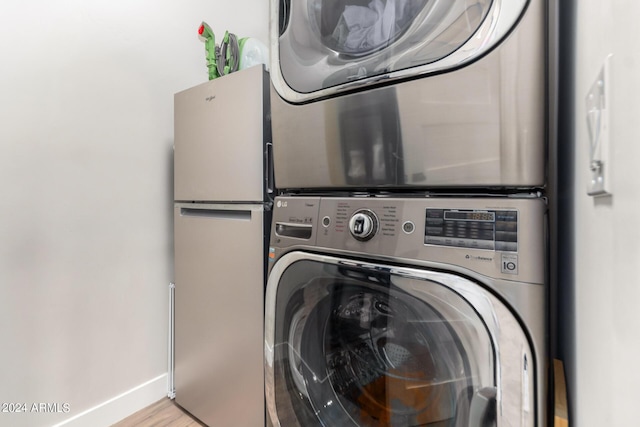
363, 225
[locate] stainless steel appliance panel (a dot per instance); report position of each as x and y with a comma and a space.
478, 126
219, 271
220, 125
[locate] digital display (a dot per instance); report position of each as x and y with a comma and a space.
470, 215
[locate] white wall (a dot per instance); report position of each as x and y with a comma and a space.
86, 128
604, 376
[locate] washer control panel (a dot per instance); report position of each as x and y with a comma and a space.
363, 225
496, 237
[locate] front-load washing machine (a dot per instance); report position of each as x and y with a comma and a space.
410, 93
387, 311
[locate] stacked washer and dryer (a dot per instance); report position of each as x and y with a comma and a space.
408, 255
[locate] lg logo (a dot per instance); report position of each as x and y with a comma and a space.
281, 204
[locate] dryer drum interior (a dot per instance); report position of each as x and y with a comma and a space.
360, 27
355, 349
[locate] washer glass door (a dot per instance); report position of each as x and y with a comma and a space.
327, 44
359, 347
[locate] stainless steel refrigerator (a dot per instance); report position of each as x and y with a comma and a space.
221, 218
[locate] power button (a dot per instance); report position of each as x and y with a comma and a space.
408, 227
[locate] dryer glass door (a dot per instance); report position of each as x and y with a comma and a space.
351, 347
328, 43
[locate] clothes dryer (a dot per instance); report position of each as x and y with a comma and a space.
406, 312
409, 93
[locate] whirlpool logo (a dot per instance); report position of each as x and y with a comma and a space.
210, 98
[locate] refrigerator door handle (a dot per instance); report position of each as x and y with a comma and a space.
241, 215
269, 175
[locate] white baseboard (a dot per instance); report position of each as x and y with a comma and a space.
121, 406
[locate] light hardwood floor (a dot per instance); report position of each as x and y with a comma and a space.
163, 413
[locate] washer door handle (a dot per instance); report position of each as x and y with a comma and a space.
483, 408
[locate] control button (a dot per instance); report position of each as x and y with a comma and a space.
326, 221
430, 240
486, 235
506, 226
434, 231
435, 222
408, 227
482, 244
506, 236
363, 225
506, 216
462, 243
507, 246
